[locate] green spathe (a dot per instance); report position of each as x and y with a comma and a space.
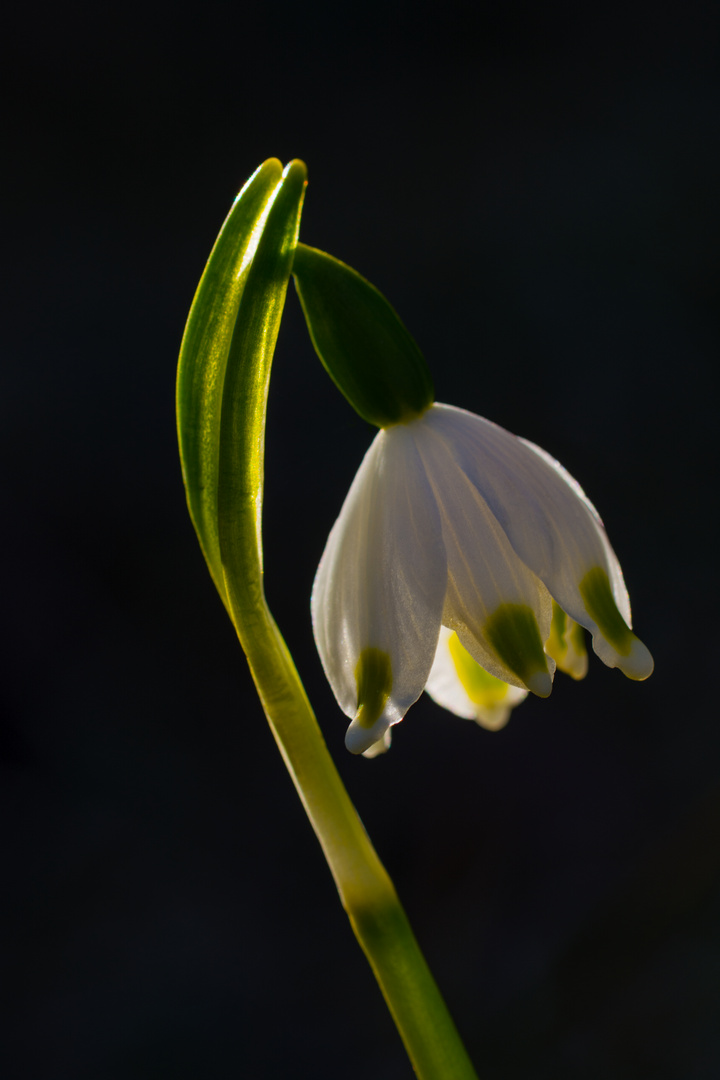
362, 343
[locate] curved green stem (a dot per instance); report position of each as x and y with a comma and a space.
233, 467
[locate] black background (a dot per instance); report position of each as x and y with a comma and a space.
536, 191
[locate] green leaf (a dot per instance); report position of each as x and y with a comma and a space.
361, 341
204, 353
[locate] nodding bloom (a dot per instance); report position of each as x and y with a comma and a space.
466, 561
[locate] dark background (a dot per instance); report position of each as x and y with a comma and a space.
536, 191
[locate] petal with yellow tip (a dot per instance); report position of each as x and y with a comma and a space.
459, 684
566, 644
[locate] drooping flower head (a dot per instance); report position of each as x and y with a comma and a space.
452, 522
464, 559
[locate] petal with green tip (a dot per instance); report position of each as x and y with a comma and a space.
548, 520
380, 586
566, 644
484, 573
616, 644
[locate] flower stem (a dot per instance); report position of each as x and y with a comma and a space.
366, 891
222, 439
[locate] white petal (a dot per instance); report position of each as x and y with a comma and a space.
380, 747
566, 644
484, 572
381, 582
596, 531
550, 523
445, 687
443, 683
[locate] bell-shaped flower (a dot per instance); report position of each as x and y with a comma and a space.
452, 521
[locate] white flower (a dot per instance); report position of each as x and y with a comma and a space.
452, 521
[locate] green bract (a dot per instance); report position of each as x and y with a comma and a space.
362, 343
